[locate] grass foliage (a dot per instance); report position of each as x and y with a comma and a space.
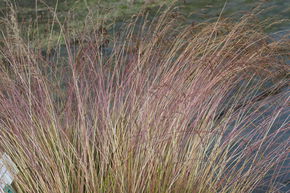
157, 106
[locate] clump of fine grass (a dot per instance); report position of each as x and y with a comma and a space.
161, 107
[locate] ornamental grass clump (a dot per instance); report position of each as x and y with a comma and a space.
158, 106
